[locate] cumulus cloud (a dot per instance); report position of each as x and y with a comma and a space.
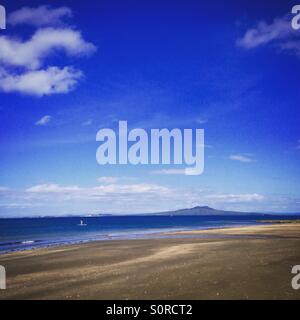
23, 63
53, 198
40, 16
98, 191
52, 188
279, 32
241, 158
41, 82
135, 191
32, 53
43, 121
264, 33
232, 198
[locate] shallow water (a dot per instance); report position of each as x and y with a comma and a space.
29, 233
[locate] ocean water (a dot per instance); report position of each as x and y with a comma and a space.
29, 233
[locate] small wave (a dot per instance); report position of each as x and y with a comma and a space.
27, 242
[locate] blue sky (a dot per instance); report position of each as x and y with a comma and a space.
70, 69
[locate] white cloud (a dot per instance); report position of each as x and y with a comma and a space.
98, 191
279, 32
107, 179
60, 199
43, 121
242, 158
41, 82
142, 188
57, 199
23, 63
232, 198
264, 33
169, 172
31, 54
40, 16
52, 188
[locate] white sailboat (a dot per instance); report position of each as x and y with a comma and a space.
82, 224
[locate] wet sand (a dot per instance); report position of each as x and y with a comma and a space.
232, 263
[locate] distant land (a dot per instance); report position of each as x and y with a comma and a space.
195, 211
204, 211
208, 211
201, 211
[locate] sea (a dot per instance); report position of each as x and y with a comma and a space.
29, 233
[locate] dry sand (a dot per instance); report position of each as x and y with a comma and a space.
233, 263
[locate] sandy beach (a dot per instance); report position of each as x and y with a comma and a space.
233, 263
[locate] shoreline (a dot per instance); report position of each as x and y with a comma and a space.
224, 265
138, 235
253, 227
34, 242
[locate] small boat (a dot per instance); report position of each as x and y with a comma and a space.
82, 224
